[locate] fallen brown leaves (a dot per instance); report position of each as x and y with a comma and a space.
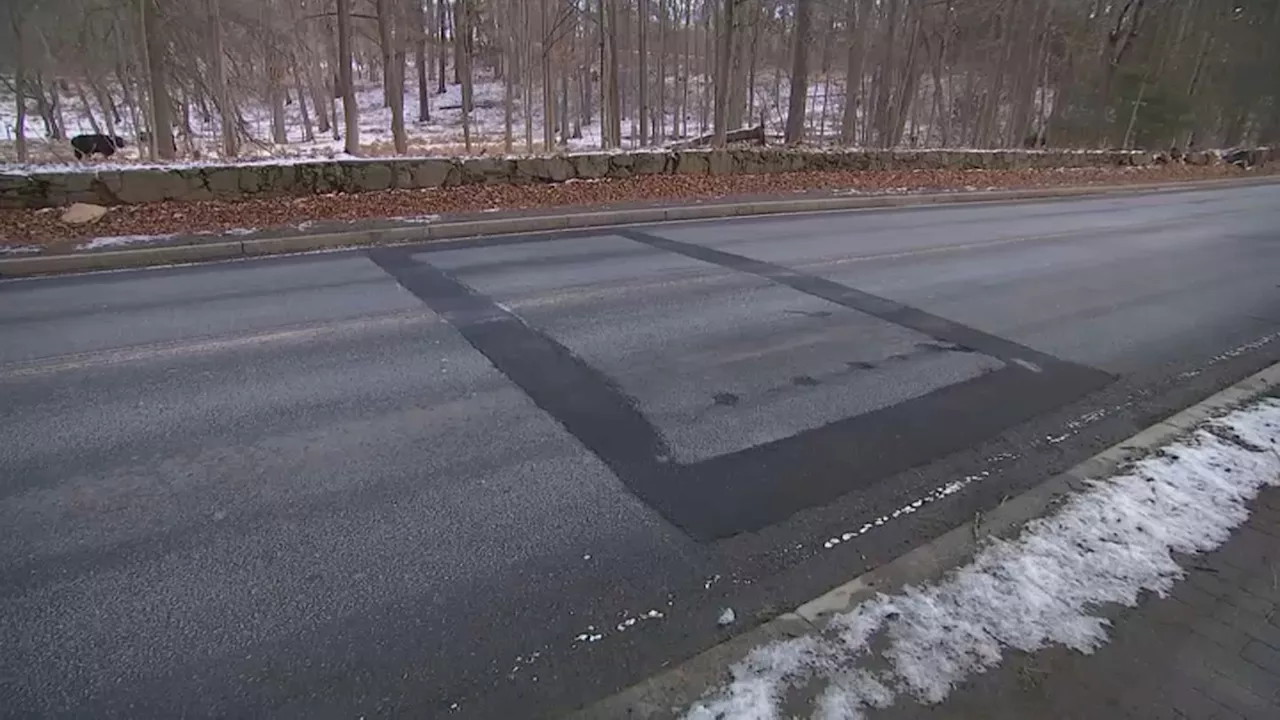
42, 227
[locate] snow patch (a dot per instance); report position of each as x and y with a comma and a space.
937, 494
419, 219
1106, 545
19, 249
112, 241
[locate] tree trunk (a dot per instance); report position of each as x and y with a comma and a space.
989, 119
392, 74
746, 17
799, 73
110, 116
526, 95
420, 59
885, 85
724, 60
226, 116
442, 56
548, 79
1027, 77
508, 77
308, 131
156, 59
685, 69
614, 98
350, 111
83, 97
276, 91
462, 31
642, 64
19, 82
859, 18
459, 40
906, 96
660, 126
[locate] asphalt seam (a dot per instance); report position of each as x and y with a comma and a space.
664, 694
962, 337
469, 229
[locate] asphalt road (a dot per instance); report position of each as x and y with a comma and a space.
504, 478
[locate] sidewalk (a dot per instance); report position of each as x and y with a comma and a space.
1210, 650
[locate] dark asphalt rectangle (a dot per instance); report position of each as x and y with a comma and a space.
751, 489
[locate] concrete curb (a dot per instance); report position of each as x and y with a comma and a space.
670, 693
461, 229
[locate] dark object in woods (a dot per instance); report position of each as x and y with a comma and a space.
752, 135
96, 144
1175, 154
1034, 141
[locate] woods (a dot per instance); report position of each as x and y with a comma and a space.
226, 78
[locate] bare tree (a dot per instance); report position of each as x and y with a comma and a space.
17, 20
155, 57
989, 72
392, 74
859, 21
642, 49
420, 34
462, 12
724, 60
799, 73
611, 129
350, 111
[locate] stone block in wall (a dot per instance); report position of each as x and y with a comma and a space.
401, 177
719, 162
590, 166
907, 160
434, 173
544, 169
369, 176
880, 160
223, 182
17, 191
73, 184
107, 185
620, 165
150, 185
652, 163
746, 162
486, 171
193, 184
1199, 158
692, 162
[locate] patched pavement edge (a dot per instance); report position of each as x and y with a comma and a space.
673, 691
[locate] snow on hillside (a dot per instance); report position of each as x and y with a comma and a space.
442, 134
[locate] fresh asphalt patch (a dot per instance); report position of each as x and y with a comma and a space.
745, 491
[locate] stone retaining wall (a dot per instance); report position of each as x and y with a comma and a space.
124, 186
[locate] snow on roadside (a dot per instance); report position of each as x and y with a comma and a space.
19, 249
111, 241
1105, 545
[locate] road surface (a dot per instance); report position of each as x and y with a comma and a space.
504, 478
